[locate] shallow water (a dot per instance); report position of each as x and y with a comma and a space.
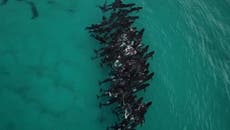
48, 82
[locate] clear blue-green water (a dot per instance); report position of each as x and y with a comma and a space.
48, 82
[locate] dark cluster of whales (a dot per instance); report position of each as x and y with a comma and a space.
127, 57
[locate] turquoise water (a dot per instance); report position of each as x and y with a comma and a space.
48, 82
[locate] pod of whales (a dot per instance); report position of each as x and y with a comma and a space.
127, 57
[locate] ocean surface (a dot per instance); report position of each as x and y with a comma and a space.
49, 82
